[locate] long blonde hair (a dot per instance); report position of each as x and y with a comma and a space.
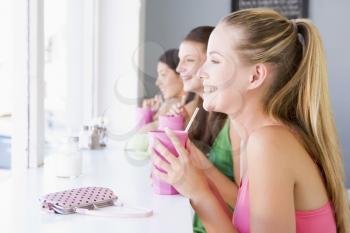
299, 93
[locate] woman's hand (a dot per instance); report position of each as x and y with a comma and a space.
187, 176
178, 109
181, 172
153, 103
199, 159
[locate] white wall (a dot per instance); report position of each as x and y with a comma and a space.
331, 18
75, 77
79, 63
118, 59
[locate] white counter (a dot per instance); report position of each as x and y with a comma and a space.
21, 212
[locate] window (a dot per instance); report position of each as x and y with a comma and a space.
69, 68
54, 53
55, 78
6, 51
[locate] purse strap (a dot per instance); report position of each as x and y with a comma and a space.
137, 212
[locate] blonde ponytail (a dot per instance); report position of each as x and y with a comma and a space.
314, 117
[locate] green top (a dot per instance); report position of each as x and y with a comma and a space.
221, 156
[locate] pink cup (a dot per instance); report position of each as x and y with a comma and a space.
159, 186
174, 122
143, 116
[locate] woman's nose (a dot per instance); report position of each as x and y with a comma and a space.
201, 72
179, 68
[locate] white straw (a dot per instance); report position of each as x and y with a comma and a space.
192, 119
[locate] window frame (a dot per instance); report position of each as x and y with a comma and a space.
28, 127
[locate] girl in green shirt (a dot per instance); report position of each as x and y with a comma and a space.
220, 156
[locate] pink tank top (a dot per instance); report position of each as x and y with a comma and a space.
320, 220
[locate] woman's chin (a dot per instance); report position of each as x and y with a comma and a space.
211, 104
189, 88
192, 86
165, 96
208, 107
169, 94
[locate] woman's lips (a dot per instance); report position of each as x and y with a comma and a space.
209, 89
162, 89
186, 77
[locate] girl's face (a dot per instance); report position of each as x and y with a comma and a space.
168, 81
192, 56
225, 77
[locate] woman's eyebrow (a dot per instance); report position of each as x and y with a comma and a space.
216, 52
189, 55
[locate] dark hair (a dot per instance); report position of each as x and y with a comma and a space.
200, 34
170, 58
207, 125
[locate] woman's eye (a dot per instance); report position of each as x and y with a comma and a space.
190, 60
214, 61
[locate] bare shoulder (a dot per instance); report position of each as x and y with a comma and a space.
270, 172
273, 138
273, 147
279, 165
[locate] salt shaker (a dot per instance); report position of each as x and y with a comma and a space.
94, 138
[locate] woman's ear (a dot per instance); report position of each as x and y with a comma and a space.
258, 76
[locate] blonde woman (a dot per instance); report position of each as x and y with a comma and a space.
269, 75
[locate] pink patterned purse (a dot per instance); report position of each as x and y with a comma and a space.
86, 201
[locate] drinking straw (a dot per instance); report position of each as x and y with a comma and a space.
191, 120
